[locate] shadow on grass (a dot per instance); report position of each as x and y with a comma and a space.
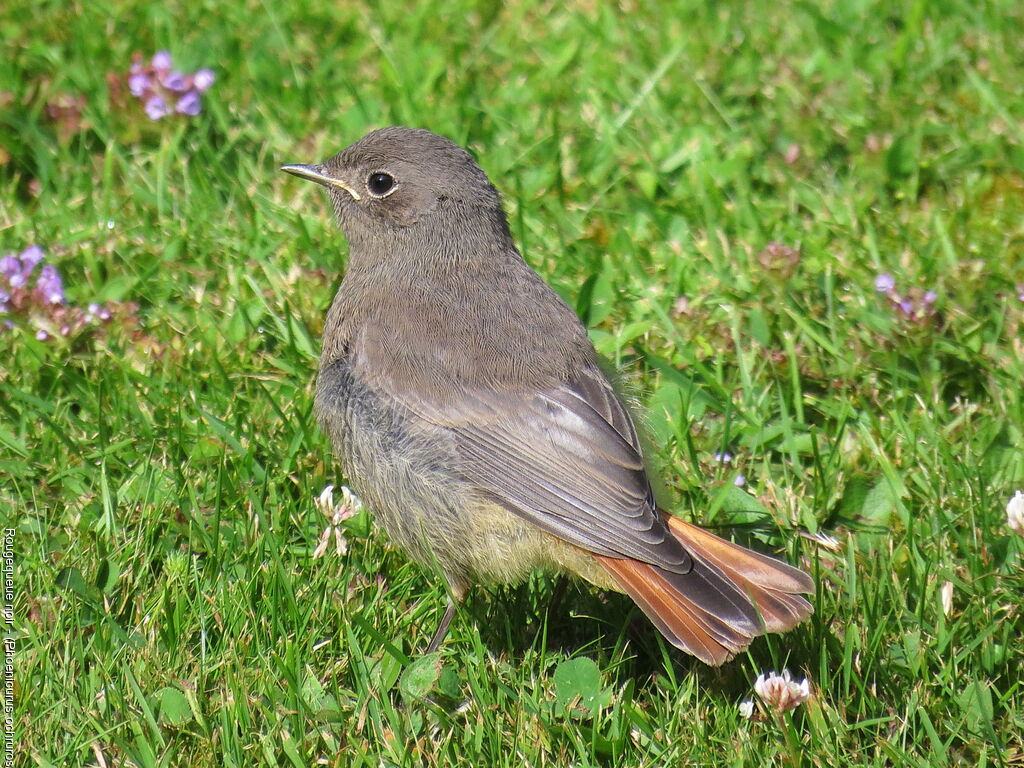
585, 621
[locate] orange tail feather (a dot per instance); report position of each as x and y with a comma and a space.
731, 596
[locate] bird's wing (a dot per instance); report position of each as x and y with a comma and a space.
566, 458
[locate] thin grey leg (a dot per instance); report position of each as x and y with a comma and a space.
442, 629
558, 594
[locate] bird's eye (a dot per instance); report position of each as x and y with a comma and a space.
380, 183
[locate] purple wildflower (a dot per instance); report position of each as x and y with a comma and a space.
723, 458
203, 79
49, 285
30, 257
1020, 291
914, 305
884, 283
188, 104
740, 481
10, 268
163, 90
156, 108
44, 310
98, 311
162, 61
174, 81
138, 83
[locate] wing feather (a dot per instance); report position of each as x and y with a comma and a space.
566, 458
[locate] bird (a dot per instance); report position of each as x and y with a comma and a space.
469, 410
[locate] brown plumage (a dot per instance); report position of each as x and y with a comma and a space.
467, 407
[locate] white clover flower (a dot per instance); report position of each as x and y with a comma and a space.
336, 515
747, 709
780, 692
1015, 513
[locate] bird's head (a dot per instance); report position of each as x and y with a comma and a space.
396, 179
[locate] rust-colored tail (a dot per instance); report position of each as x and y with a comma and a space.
731, 595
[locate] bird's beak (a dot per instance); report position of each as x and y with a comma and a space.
316, 173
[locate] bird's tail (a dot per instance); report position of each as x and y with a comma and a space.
730, 596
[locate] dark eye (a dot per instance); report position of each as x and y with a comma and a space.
380, 183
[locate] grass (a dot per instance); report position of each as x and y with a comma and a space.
161, 477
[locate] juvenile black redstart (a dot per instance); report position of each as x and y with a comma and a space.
466, 405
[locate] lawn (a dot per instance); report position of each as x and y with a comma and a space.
796, 228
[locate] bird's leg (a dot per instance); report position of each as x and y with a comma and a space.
442, 628
557, 594
454, 600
